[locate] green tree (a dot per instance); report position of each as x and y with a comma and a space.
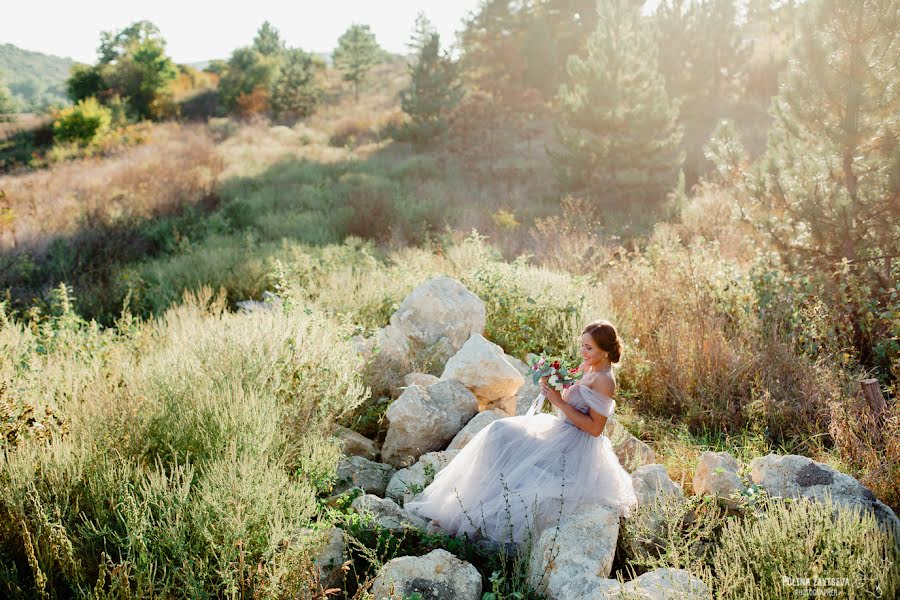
114, 45
830, 179
247, 71
434, 87
7, 107
296, 92
268, 41
356, 53
142, 75
618, 133
84, 81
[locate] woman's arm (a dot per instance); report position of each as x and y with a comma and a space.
591, 423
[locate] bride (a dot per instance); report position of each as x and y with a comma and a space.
522, 474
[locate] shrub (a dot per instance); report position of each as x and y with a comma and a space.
83, 123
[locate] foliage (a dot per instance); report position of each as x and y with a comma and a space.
842, 553
84, 81
296, 92
433, 91
83, 123
7, 107
36, 81
618, 137
268, 41
356, 53
248, 73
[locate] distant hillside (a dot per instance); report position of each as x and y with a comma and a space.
36, 80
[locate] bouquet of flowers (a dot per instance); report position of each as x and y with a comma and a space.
559, 376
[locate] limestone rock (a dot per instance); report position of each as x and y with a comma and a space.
420, 379
361, 472
668, 584
440, 308
386, 513
437, 575
653, 481
356, 444
717, 474
330, 552
475, 424
583, 544
407, 483
482, 367
796, 476
426, 419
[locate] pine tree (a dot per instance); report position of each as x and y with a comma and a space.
268, 41
434, 88
296, 92
357, 52
829, 183
618, 131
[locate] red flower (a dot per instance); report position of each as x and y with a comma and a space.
555, 364
573, 370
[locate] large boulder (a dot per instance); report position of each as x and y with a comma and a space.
357, 471
426, 419
631, 452
481, 366
659, 584
795, 476
717, 474
407, 483
475, 424
385, 513
437, 575
355, 444
420, 379
584, 544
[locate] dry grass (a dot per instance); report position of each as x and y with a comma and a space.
179, 165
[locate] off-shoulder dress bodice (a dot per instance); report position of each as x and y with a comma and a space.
583, 397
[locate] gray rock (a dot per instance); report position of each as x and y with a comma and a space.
329, 553
357, 471
420, 379
653, 481
385, 513
631, 452
796, 476
482, 367
355, 444
668, 584
407, 483
717, 474
582, 546
437, 575
426, 419
475, 424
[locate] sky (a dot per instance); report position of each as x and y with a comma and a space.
199, 30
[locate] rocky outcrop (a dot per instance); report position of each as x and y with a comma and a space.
407, 483
356, 471
426, 419
795, 476
437, 575
481, 366
420, 379
631, 452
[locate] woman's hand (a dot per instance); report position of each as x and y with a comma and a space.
550, 393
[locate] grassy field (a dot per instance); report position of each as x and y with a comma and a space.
147, 423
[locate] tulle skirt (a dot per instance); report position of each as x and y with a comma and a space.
519, 475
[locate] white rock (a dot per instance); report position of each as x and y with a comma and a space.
652, 482
717, 474
482, 367
420, 379
475, 424
355, 444
357, 471
668, 584
386, 513
407, 483
440, 308
426, 419
796, 476
437, 575
584, 544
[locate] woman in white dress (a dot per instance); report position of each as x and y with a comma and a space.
521, 474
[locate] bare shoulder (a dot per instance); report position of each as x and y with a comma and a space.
603, 383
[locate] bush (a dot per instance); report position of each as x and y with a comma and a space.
83, 123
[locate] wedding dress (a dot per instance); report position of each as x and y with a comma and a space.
519, 475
